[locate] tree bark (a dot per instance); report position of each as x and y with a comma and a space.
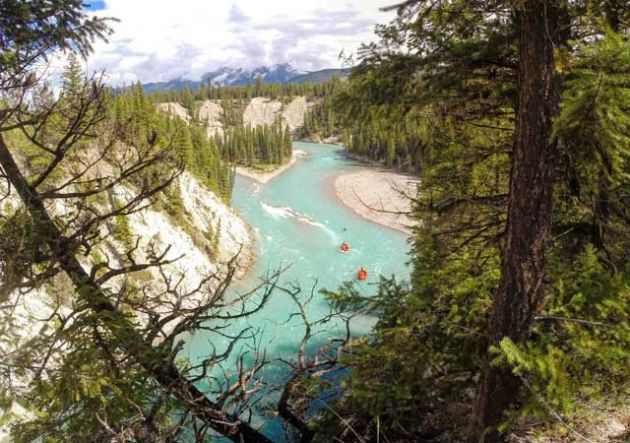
612, 10
128, 339
529, 211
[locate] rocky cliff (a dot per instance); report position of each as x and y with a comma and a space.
206, 236
212, 113
260, 111
175, 109
294, 113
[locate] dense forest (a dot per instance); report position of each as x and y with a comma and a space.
515, 322
136, 115
322, 120
257, 146
261, 146
187, 96
370, 132
517, 117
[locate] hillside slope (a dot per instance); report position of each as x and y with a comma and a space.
200, 242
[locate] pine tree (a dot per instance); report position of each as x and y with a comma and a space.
73, 78
440, 93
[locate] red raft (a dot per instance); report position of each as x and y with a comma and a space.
345, 247
362, 274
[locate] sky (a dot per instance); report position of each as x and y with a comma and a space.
159, 40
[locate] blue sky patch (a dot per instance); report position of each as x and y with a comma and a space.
94, 5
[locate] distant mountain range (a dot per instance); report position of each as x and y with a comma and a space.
283, 73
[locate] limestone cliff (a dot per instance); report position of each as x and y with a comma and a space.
203, 238
261, 111
175, 109
294, 113
211, 112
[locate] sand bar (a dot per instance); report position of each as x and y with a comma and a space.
379, 195
265, 177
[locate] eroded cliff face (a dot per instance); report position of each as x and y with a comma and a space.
263, 111
260, 111
294, 113
175, 109
201, 241
207, 235
211, 112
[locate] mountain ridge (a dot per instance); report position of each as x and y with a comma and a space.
226, 76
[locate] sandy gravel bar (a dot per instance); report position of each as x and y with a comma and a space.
266, 177
379, 195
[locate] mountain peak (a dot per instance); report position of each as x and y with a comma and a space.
226, 76
236, 76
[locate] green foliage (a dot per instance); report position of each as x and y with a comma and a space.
122, 231
595, 129
142, 125
322, 119
82, 354
173, 202
86, 388
257, 146
33, 29
437, 95
246, 93
20, 248
215, 242
582, 348
73, 78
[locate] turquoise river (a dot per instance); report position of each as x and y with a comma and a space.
299, 225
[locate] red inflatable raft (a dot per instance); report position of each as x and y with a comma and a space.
362, 274
345, 247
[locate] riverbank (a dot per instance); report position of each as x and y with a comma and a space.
299, 225
379, 195
264, 177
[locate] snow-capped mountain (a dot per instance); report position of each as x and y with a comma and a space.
282, 73
238, 76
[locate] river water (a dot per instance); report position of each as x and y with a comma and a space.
299, 226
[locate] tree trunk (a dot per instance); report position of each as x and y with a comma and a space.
128, 339
529, 211
612, 10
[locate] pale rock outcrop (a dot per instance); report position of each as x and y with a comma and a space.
203, 211
294, 113
261, 111
191, 240
207, 212
207, 236
212, 113
174, 109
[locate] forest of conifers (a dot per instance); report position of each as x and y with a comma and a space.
516, 116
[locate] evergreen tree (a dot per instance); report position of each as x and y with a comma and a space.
100, 367
73, 78
495, 305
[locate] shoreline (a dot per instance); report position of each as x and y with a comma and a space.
266, 177
378, 195
247, 261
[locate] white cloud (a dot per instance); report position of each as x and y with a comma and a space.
158, 40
